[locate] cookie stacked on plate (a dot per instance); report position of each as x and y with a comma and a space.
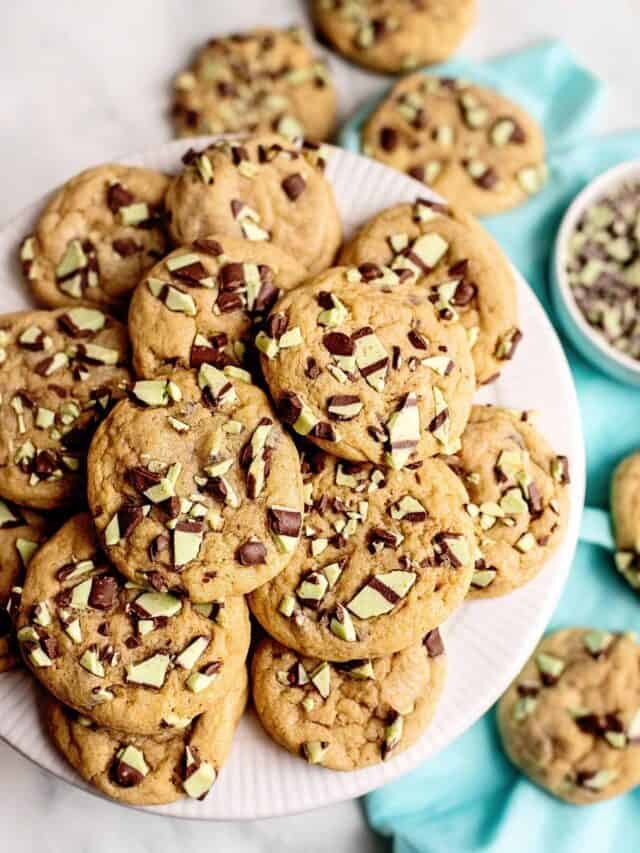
264, 424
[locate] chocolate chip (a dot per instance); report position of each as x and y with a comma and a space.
124, 775
285, 522
117, 197
209, 247
294, 186
104, 592
433, 643
338, 343
312, 371
289, 407
388, 139
277, 325
417, 340
251, 554
129, 517
141, 478
126, 247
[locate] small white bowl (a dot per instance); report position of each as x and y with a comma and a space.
587, 340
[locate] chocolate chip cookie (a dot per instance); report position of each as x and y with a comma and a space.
257, 81
519, 497
352, 364
351, 715
59, 373
127, 656
466, 275
625, 509
96, 237
151, 770
265, 189
385, 557
21, 532
394, 35
470, 144
571, 720
195, 486
200, 304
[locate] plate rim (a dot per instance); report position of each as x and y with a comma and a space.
408, 760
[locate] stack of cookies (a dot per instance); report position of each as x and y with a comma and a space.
264, 424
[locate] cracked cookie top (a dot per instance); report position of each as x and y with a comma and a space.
351, 715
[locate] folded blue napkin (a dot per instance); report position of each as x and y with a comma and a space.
468, 797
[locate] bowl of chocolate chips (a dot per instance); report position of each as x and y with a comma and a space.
596, 272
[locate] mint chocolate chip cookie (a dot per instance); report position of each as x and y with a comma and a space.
571, 720
350, 715
519, 497
127, 656
385, 557
151, 769
21, 532
364, 368
472, 145
256, 81
444, 253
265, 189
59, 374
625, 504
96, 237
394, 35
200, 304
195, 486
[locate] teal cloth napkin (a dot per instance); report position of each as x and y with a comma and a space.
468, 797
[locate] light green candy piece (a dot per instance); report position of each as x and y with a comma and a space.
151, 672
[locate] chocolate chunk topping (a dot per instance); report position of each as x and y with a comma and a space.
289, 407
285, 522
251, 554
117, 197
389, 139
104, 592
294, 186
433, 643
338, 343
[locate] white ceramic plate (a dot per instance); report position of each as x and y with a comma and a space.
487, 641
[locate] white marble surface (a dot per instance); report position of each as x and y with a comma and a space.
83, 82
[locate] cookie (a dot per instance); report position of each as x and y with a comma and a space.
200, 304
21, 532
59, 373
126, 656
258, 81
519, 497
470, 144
386, 556
394, 35
351, 364
625, 509
571, 720
150, 770
466, 275
195, 486
351, 715
97, 237
264, 189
